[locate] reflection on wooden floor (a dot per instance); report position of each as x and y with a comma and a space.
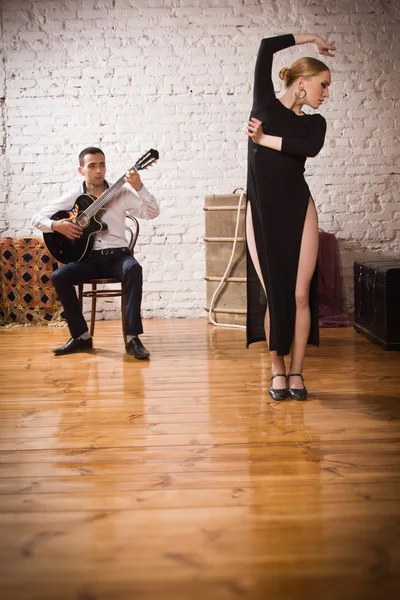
180, 478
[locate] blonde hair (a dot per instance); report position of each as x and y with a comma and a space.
303, 67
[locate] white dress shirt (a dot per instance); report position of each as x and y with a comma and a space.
138, 203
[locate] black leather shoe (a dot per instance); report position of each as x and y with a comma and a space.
280, 393
136, 349
297, 393
74, 345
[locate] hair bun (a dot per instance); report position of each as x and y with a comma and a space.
284, 74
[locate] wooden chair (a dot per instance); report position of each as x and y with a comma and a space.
132, 230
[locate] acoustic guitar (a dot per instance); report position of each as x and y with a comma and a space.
86, 212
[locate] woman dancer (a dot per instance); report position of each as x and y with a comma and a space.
281, 220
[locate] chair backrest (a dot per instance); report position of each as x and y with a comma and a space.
132, 231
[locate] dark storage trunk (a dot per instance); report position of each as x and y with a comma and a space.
377, 301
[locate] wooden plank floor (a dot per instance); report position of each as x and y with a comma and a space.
180, 478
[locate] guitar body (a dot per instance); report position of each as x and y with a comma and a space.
65, 250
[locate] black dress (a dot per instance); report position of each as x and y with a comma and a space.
279, 197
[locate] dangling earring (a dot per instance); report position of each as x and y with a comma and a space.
301, 97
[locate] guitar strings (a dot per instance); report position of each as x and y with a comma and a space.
92, 209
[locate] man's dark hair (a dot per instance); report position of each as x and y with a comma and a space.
89, 150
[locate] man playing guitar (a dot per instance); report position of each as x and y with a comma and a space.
110, 256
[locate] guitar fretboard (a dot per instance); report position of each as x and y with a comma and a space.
101, 201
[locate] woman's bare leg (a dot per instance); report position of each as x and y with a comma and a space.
307, 261
278, 363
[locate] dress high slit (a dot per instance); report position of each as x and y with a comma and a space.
278, 195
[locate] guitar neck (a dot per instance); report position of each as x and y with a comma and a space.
105, 197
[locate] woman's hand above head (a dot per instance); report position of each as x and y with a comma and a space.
323, 47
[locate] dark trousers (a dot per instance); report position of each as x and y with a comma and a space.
121, 266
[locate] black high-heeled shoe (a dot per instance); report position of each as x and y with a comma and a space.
297, 393
280, 393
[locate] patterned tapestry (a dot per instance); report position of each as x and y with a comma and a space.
26, 293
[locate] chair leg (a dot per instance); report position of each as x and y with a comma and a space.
123, 311
80, 296
93, 313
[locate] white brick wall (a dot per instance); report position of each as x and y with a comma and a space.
176, 75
